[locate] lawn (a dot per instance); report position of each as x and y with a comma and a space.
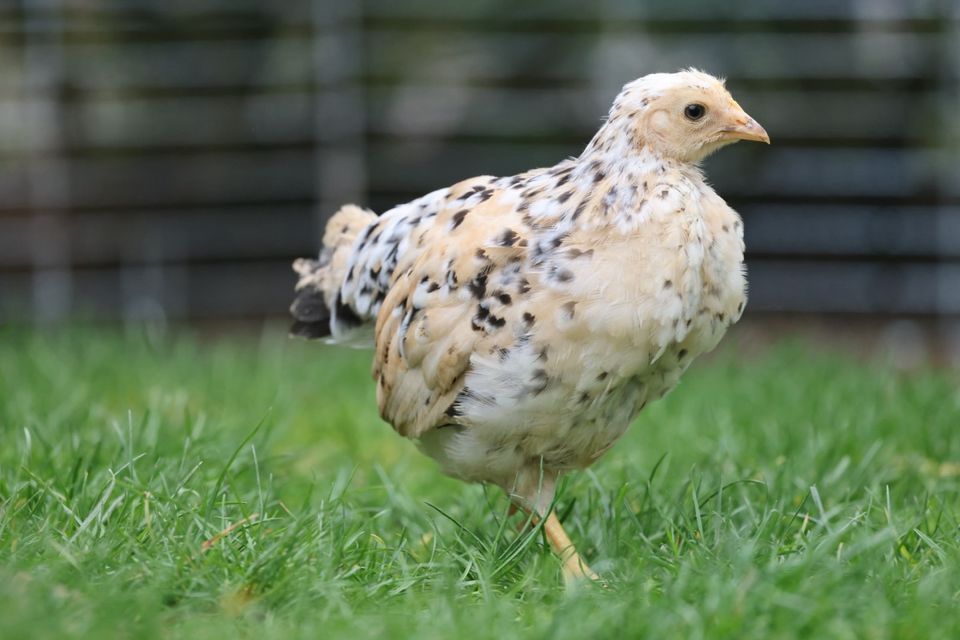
168, 486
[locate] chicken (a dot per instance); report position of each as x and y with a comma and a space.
520, 323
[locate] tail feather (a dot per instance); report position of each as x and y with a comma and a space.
311, 315
318, 287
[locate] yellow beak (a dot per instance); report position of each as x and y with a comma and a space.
745, 128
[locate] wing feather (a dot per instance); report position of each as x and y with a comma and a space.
452, 300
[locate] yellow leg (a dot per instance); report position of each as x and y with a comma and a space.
533, 492
574, 567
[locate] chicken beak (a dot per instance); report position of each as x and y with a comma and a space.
745, 128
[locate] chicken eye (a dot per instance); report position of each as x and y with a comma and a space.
694, 111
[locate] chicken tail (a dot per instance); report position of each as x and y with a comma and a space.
318, 310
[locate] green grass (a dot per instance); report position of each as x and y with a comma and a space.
786, 495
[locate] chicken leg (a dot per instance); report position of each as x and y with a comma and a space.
574, 567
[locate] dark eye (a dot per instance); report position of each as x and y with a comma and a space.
694, 111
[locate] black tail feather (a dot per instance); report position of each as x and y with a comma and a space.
311, 314
310, 330
346, 318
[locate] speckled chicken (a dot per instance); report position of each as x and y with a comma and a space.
521, 323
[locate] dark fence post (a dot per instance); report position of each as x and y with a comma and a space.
340, 117
47, 176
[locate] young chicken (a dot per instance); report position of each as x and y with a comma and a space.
521, 323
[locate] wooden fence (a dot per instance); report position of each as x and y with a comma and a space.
167, 159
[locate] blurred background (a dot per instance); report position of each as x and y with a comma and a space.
164, 160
